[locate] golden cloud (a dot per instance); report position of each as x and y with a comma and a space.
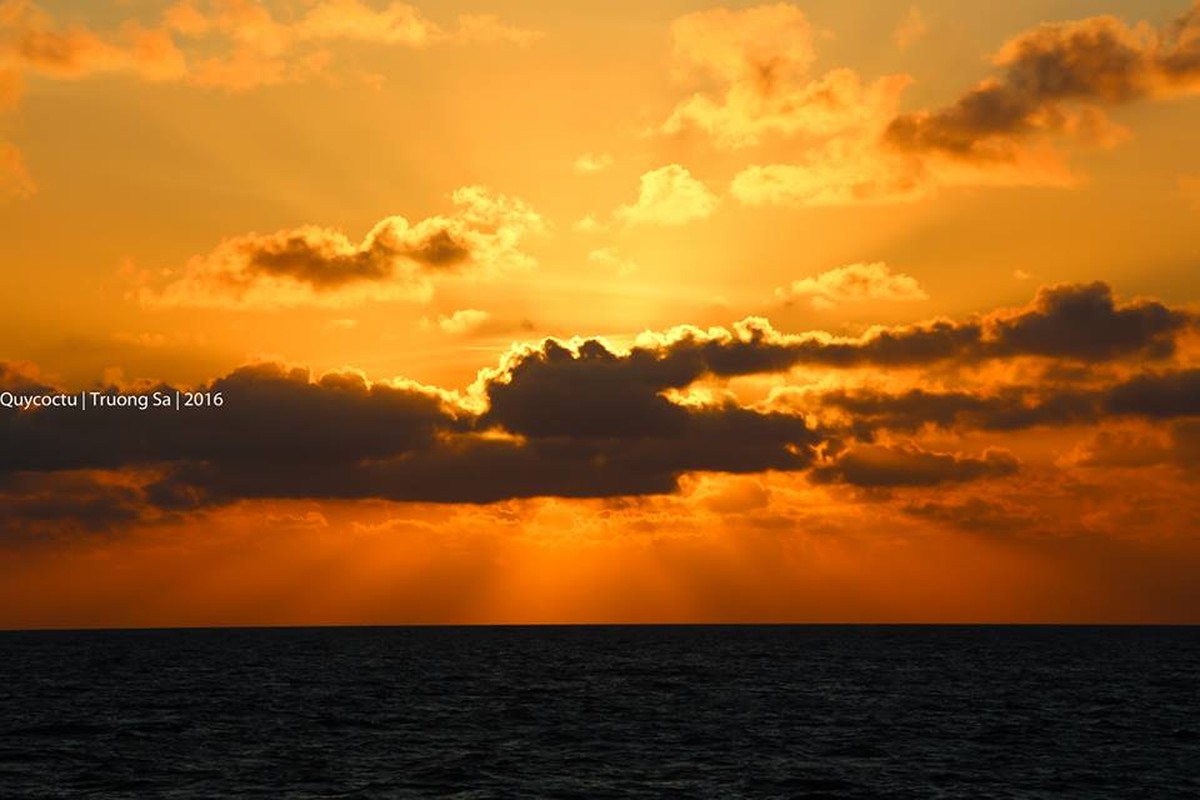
853, 283
668, 196
757, 61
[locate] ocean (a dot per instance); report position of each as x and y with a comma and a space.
599, 712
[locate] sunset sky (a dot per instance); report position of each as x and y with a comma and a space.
546, 312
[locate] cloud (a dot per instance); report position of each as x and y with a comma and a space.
32, 41
1083, 321
1073, 322
1055, 79
911, 28
1157, 395
590, 393
591, 163
234, 44
1152, 396
756, 63
851, 284
559, 422
1009, 409
668, 196
466, 320
908, 465
864, 170
586, 419
61, 505
611, 257
269, 413
1056, 82
398, 23
839, 172
320, 266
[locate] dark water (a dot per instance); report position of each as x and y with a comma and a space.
602, 712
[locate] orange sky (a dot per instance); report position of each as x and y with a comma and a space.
600, 312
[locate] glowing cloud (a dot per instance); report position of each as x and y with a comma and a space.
851, 284
668, 196
1056, 81
252, 46
757, 61
462, 321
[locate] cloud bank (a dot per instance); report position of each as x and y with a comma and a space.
587, 419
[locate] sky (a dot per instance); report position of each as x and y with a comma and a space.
600, 312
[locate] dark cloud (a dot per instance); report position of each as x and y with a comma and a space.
584, 420
313, 265
758, 348
269, 415
41, 507
585, 423
1009, 409
324, 260
874, 466
1081, 322
439, 248
593, 393
1049, 72
480, 469
1153, 396
562, 423
1158, 396
316, 259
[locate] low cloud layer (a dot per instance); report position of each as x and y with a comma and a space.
560, 423
1154, 396
587, 419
